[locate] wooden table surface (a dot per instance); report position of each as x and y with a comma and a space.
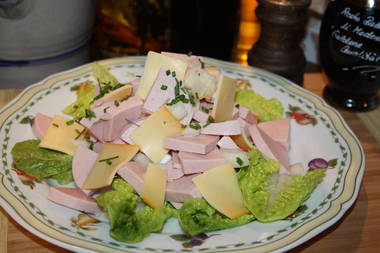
357, 231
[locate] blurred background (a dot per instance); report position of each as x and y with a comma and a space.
42, 37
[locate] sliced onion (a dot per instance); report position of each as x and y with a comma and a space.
178, 110
191, 132
236, 157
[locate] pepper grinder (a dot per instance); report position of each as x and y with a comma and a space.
283, 24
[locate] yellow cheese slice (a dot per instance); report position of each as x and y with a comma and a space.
224, 99
151, 134
219, 186
117, 95
153, 192
110, 159
154, 62
62, 135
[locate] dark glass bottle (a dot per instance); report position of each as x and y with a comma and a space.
350, 53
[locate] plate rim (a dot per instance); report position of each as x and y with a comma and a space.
338, 208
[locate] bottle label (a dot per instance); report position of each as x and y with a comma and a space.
356, 34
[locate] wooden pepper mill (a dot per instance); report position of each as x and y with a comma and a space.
283, 25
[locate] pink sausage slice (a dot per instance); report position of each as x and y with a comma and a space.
73, 198
162, 91
40, 125
83, 161
229, 127
121, 114
200, 144
278, 130
182, 189
271, 150
133, 173
195, 163
227, 143
247, 115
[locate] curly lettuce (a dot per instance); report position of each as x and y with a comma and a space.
130, 220
103, 75
270, 196
268, 109
197, 216
85, 95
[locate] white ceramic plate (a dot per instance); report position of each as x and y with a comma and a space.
330, 138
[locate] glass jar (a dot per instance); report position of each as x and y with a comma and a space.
350, 53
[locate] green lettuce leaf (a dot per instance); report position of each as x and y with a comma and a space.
42, 163
85, 95
64, 177
268, 109
270, 196
197, 216
103, 75
130, 220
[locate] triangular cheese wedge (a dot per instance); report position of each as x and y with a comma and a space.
62, 135
116, 95
219, 186
151, 134
153, 192
110, 159
154, 62
224, 99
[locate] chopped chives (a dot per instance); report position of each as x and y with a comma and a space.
79, 133
204, 109
56, 125
70, 122
239, 161
164, 87
89, 114
109, 160
195, 126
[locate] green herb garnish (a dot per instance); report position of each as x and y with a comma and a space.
195, 126
109, 160
70, 122
79, 133
239, 161
204, 109
164, 87
89, 114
